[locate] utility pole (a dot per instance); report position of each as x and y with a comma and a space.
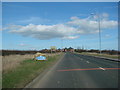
99, 32
61, 45
99, 28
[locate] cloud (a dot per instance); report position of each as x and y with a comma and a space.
22, 44
71, 37
34, 20
105, 15
88, 25
44, 31
33, 48
107, 36
69, 30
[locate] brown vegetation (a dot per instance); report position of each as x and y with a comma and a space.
10, 62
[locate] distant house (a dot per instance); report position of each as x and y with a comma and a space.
65, 49
70, 49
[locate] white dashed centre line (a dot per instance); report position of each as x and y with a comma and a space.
101, 68
58, 82
81, 59
87, 61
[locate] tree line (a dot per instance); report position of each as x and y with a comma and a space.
23, 52
111, 52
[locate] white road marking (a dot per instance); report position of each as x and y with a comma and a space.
101, 68
58, 82
87, 61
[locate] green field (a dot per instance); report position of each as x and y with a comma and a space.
27, 71
100, 55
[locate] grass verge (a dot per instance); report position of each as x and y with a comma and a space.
26, 72
100, 55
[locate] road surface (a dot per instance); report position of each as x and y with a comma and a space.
78, 71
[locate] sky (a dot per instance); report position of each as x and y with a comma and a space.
40, 25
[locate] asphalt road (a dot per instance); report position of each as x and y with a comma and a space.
78, 71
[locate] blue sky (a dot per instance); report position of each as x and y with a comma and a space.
41, 25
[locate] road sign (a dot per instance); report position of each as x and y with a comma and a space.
53, 47
41, 58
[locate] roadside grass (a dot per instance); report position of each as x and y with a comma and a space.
0, 80
100, 55
13, 61
27, 71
